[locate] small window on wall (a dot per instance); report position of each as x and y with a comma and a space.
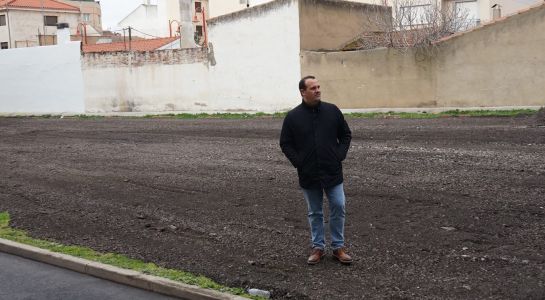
2, 20
198, 7
86, 17
50, 20
4, 45
415, 15
198, 34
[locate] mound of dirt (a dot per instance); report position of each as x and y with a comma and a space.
540, 117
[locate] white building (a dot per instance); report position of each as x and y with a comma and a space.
162, 18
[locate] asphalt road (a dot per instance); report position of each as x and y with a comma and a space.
21, 278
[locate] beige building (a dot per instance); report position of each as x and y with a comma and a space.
28, 23
90, 12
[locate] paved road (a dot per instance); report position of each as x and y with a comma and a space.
27, 279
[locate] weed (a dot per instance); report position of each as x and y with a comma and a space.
19, 236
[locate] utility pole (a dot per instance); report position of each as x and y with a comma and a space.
43, 20
130, 49
124, 39
130, 38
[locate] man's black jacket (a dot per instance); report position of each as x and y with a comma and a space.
316, 141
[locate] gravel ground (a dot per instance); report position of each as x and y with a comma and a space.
450, 208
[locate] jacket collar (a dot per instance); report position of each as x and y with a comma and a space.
317, 107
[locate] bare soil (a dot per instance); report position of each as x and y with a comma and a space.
450, 208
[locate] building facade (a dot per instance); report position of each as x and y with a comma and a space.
90, 12
29, 24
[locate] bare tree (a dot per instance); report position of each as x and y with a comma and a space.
415, 24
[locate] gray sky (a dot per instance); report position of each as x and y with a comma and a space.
114, 11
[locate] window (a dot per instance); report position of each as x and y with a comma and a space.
86, 17
2, 20
4, 45
467, 12
50, 20
415, 15
198, 7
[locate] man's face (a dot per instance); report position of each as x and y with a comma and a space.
311, 95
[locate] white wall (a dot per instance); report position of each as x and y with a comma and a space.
257, 69
145, 20
222, 7
148, 88
257, 54
41, 80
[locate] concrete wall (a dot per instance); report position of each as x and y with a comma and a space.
499, 64
330, 24
31, 84
496, 65
244, 72
169, 80
257, 55
371, 79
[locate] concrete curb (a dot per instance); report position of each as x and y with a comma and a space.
115, 274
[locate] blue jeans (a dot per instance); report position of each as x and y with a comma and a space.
315, 202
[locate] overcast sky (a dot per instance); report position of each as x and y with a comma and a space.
114, 11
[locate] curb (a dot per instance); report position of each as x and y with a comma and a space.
128, 277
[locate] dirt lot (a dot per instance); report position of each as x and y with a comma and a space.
437, 209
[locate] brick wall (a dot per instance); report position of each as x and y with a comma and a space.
136, 59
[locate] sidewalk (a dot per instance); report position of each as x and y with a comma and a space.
23, 278
99, 270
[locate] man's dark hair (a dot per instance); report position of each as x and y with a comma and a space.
302, 83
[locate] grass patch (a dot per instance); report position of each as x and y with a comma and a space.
364, 115
449, 113
220, 115
19, 236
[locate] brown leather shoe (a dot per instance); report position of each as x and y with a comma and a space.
315, 256
341, 255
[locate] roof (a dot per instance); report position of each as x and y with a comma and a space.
38, 4
136, 45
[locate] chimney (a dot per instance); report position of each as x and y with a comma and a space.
186, 21
496, 11
63, 33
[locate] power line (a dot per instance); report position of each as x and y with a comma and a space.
157, 37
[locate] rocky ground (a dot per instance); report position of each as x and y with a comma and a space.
449, 208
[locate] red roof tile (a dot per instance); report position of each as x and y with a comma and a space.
136, 45
37, 4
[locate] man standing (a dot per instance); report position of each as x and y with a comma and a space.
316, 138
